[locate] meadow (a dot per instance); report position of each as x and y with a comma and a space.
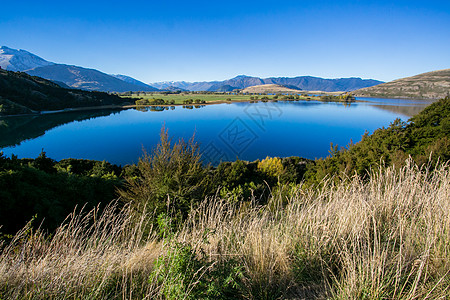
178, 98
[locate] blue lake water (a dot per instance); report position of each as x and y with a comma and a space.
247, 131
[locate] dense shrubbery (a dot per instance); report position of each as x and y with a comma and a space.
51, 190
347, 97
154, 101
170, 180
194, 101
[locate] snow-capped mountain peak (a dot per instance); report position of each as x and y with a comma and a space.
20, 60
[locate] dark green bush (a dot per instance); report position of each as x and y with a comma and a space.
172, 179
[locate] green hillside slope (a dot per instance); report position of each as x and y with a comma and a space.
21, 93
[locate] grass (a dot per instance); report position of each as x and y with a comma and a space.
385, 238
205, 98
179, 98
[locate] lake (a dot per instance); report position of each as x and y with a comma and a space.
247, 131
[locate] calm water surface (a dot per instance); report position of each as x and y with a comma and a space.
246, 131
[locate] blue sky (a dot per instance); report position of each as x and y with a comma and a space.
216, 40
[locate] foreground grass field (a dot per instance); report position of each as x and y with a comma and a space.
384, 238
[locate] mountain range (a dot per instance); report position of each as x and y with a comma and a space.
307, 83
432, 85
70, 76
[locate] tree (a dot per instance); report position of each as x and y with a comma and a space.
172, 178
44, 163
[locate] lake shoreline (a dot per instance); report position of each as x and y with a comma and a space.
66, 110
128, 106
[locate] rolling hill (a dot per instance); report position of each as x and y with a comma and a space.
430, 85
269, 88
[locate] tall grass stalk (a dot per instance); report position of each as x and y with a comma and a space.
384, 238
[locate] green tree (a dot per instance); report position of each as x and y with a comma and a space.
44, 163
172, 178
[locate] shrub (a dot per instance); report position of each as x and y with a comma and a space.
181, 273
172, 178
271, 166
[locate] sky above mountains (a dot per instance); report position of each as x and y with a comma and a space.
215, 40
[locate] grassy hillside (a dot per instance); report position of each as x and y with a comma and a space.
431, 85
21, 93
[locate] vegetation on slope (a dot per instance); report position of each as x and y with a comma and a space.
431, 85
50, 190
386, 238
21, 93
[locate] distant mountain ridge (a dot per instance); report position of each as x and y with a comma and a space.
94, 80
307, 83
72, 76
86, 79
130, 80
430, 85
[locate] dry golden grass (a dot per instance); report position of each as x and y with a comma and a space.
269, 88
386, 238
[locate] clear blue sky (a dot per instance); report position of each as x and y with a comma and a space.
216, 40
